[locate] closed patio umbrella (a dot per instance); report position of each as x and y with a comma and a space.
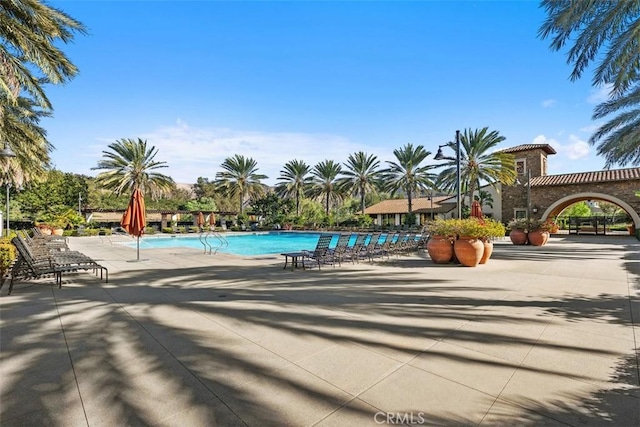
212, 220
134, 218
200, 221
476, 210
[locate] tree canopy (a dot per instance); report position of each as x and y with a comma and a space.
607, 32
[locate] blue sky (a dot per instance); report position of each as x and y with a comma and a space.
277, 81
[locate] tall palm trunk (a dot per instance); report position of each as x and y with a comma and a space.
327, 205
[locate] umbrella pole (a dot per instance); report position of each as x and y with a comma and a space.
138, 249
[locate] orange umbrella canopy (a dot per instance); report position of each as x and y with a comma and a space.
200, 219
134, 218
212, 219
476, 210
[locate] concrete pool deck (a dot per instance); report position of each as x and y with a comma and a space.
538, 336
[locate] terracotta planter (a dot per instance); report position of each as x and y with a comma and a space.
488, 250
468, 250
440, 249
538, 237
46, 231
518, 237
57, 231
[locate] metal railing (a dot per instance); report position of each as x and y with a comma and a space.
218, 242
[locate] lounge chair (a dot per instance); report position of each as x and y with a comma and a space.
341, 248
372, 247
37, 260
321, 254
354, 252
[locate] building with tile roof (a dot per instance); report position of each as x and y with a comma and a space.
540, 195
536, 193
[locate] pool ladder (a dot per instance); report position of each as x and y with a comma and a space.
208, 247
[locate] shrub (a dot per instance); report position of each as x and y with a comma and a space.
470, 227
493, 229
7, 255
440, 227
518, 224
538, 224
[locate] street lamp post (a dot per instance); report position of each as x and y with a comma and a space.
7, 153
528, 195
440, 156
527, 184
431, 200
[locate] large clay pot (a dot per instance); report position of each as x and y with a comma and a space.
468, 250
538, 237
57, 231
488, 250
440, 249
518, 237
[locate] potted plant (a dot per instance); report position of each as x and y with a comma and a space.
518, 231
631, 228
492, 230
442, 233
539, 231
45, 229
468, 247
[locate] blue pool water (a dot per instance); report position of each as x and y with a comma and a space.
241, 244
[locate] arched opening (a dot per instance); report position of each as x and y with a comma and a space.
557, 207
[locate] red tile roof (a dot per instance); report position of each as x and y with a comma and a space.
526, 147
587, 177
420, 204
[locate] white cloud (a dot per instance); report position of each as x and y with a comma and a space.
577, 148
549, 103
590, 128
198, 152
601, 94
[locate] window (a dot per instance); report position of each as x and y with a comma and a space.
519, 213
521, 166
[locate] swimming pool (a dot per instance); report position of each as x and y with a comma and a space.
240, 244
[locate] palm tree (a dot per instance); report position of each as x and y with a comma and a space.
618, 138
240, 178
478, 163
361, 176
130, 165
407, 175
296, 181
608, 31
30, 32
20, 123
29, 58
598, 29
324, 183
484, 198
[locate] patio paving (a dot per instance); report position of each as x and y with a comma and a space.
538, 336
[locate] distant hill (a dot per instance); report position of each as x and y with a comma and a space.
186, 187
